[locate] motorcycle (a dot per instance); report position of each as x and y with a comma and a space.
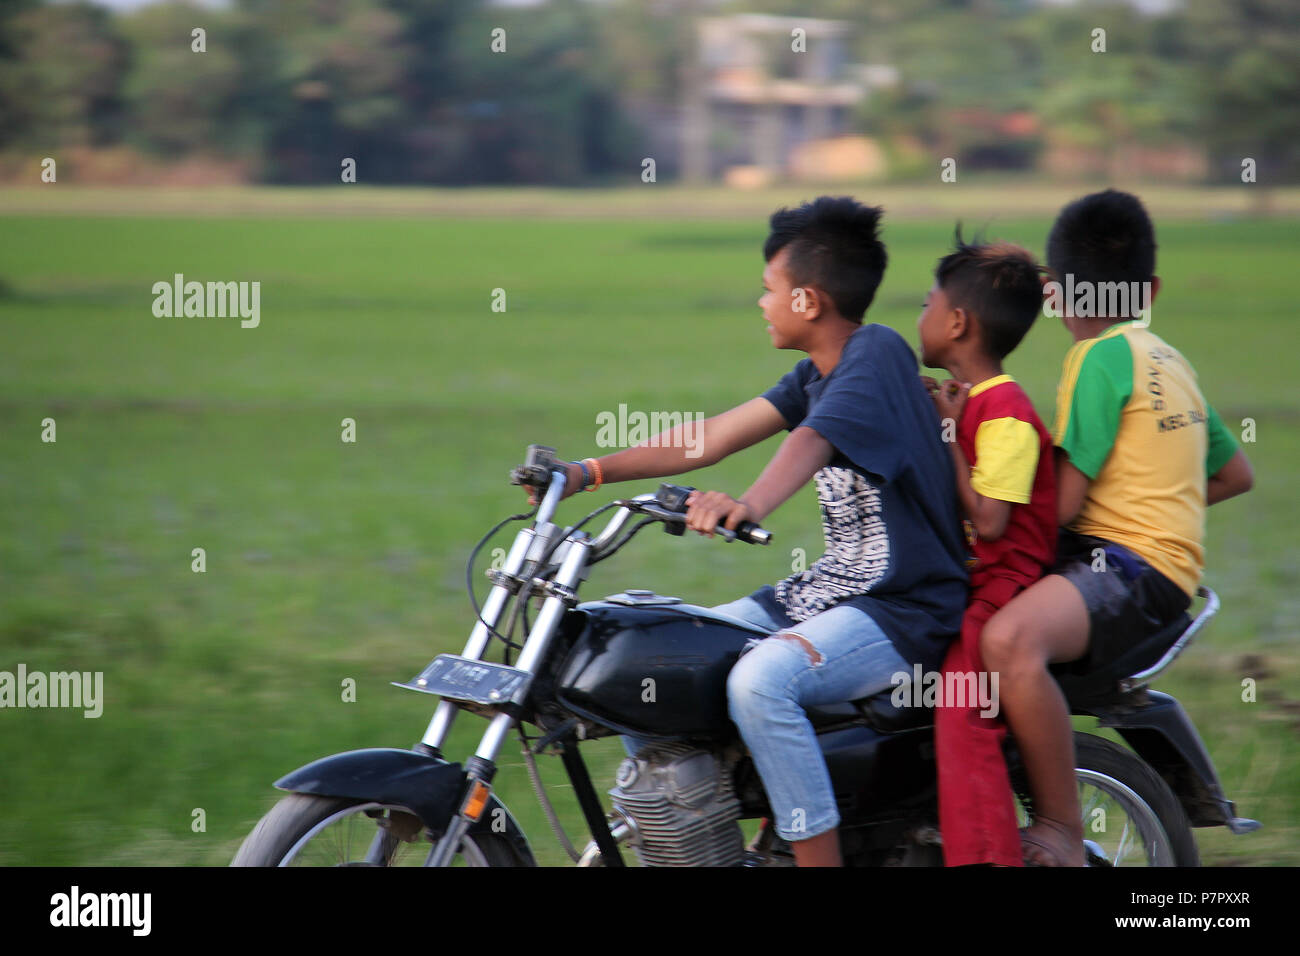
582, 671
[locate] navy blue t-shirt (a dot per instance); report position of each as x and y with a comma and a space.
894, 542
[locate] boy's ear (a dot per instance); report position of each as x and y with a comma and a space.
959, 323
1155, 288
813, 302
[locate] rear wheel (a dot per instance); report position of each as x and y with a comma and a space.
1130, 816
308, 830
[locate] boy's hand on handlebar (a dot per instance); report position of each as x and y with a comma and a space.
572, 483
707, 509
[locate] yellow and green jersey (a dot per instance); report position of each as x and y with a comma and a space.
1131, 417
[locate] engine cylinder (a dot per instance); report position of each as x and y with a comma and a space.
684, 806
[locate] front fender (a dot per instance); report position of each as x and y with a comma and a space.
429, 786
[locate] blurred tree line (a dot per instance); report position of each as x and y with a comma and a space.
1224, 74
413, 92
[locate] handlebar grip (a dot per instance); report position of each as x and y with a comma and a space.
746, 531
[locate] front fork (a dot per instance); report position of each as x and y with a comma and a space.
529, 547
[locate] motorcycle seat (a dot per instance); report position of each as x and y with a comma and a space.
878, 710
827, 715
1083, 688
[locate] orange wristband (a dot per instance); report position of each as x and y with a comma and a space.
597, 474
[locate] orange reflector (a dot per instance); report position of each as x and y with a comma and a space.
477, 800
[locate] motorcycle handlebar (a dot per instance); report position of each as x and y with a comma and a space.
672, 499
746, 531
669, 503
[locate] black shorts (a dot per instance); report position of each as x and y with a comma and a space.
1129, 604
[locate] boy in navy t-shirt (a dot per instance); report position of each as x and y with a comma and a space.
889, 591
894, 546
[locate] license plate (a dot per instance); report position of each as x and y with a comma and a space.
461, 678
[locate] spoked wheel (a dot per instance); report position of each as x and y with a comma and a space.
306, 830
1130, 816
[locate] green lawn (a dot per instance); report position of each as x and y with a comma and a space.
328, 561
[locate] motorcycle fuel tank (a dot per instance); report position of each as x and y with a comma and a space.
652, 666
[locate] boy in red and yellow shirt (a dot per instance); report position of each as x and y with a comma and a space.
985, 298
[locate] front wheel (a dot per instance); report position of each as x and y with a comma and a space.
1130, 816
308, 830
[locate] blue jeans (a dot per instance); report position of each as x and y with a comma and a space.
847, 657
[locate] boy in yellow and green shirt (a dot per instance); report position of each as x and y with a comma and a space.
1130, 417
1139, 456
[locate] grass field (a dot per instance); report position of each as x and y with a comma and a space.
328, 560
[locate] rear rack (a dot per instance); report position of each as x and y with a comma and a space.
1211, 608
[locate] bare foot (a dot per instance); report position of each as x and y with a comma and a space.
1051, 843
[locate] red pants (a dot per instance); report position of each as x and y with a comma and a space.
977, 813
